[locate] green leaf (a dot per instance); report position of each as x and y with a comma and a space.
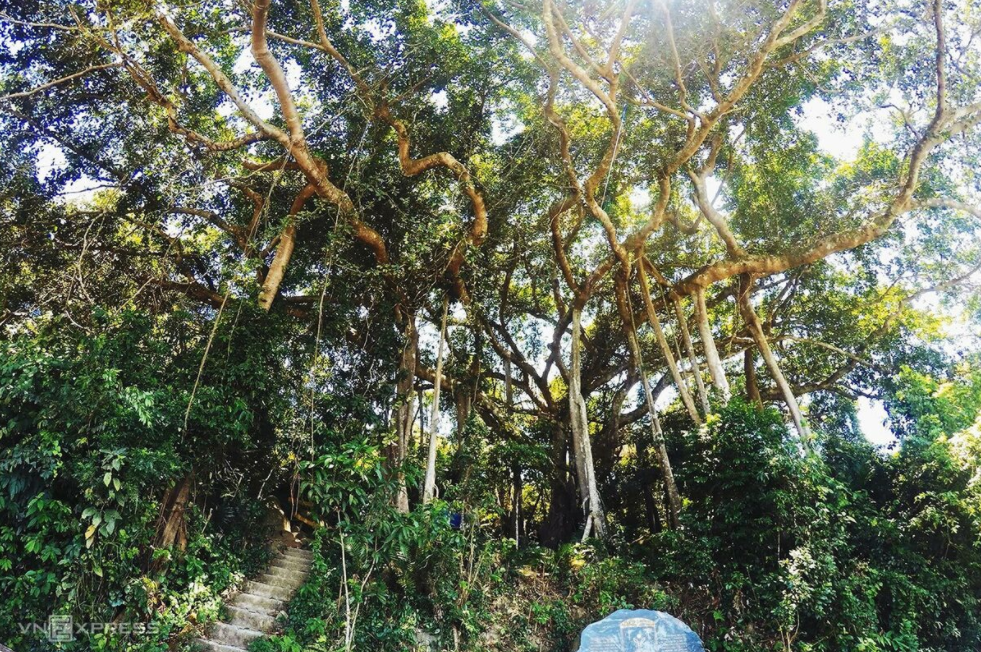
107, 478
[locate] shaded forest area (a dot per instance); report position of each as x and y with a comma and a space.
522, 312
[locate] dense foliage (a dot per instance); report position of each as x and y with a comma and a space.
518, 313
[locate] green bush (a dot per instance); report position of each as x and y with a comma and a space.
92, 435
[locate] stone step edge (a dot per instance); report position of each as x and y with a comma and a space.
215, 645
234, 612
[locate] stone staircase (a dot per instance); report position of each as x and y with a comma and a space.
252, 613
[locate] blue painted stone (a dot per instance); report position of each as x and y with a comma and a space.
639, 630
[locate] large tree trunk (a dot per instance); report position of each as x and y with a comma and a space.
558, 527
580, 429
756, 329
172, 525
404, 399
716, 370
429, 486
608, 441
650, 506
462, 398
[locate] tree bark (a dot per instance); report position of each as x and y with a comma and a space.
582, 484
580, 430
516, 491
462, 397
559, 525
172, 526
429, 486
716, 370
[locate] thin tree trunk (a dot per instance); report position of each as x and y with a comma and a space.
716, 370
666, 348
516, 501
577, 457
516, 486
756, 329
667, 474
429, 486
749, 370
690, 350
404, 398
420, 414
580, 428
660, 450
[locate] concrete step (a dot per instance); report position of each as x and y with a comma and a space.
258, 604
288, 569
250, 619
282, 571
205, 645
233, 635
264, 590
290, 582
292, 555
290, 564
299, 553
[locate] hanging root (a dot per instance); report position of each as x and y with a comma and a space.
578, 419
664, 464
692, 360
716, 370
756, 329
429, 485
665, 348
